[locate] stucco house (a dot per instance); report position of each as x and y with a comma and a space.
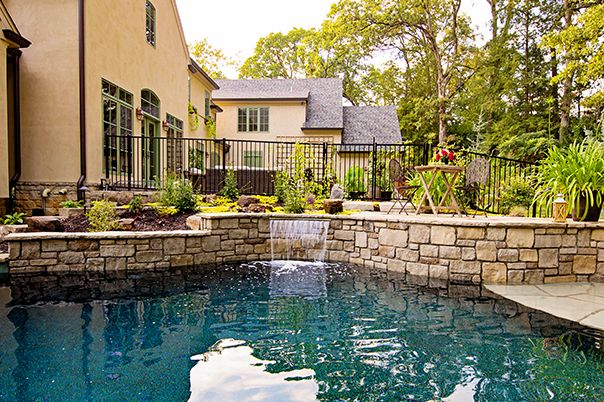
99, 72
306, 110
11, 42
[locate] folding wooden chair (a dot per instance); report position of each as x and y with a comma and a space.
399, 178
477, 179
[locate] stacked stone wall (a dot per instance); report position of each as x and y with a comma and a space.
436, 251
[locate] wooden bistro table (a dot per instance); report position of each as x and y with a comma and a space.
449, 174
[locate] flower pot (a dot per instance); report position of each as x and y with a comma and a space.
385, 195
593, 212
356, 195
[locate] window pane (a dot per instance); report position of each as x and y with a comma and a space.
242, 119
264, 119
150, 23
253, 119
252, 159
207, 104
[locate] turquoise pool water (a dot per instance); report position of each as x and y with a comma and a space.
287, 332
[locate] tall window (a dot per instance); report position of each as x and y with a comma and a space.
207, 104
253, 159
175, 143
150, 103
150, 23
117, 127
250, 119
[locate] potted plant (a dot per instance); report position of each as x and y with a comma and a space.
354, 182
71, 208
578, 173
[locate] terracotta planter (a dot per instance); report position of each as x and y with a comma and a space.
593, 212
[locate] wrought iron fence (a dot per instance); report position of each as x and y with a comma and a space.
139, 162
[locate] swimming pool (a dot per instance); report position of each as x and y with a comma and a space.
291, 331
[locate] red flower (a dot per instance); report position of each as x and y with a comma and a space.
444, 153
451, 155
437, 157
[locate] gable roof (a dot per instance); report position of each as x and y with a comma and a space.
364, 123
323, 96
9, 29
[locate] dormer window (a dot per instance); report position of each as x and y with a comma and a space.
150, 23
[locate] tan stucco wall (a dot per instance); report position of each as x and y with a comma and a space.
198, 86
4, 167
117, 50
49, 89
285, 120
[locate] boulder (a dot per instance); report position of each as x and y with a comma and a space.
246, 201
337, 192
126, 224
333, 206
45, 224
258, 208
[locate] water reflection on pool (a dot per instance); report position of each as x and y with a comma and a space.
261, 333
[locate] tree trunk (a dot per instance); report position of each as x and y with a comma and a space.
442, 121
567, 84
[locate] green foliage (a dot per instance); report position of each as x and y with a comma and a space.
136, 204
193, 117
16, 218
520, 191
211, 128
354, 181
518, 210
72, 204
294, 201
196, 158
211, 59
177, 192
576, 172
166, 211
230, 188
102, 216
282, 185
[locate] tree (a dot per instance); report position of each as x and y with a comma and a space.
278, 55
211, 59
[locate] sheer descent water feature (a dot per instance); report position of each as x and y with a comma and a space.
299, 239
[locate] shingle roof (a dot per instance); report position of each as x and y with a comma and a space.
323, 96
363, 123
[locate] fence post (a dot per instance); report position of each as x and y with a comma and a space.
129, 161
324, 162
224, 144
426, 156
374, 171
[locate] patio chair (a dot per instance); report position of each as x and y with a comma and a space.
399, 178
477, 179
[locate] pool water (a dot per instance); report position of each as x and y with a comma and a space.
289, 331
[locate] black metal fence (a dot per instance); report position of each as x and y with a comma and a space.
138, 162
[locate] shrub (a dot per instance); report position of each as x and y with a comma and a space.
354, 180
15, 218
72, 204
229, 187
282, 185
135, 205
178, 193
102, 216
295, 202
518, 210
519, 192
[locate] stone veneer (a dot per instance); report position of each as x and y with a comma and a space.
457, 250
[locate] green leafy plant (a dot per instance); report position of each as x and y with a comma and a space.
72, 204
295, 201
16, 218
166, 210
102, 216
576, 171
520, 191
282, 184
193, 117
178, 193
230, 188
211, 128
136, 204
196, 158
354, 181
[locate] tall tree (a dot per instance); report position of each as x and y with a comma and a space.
210, 58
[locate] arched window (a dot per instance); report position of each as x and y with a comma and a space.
150, 23
150, 103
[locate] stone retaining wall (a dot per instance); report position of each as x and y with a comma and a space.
437, 250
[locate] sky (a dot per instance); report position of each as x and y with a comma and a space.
234, 26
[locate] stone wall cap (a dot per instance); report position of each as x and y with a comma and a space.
3, 258
104, 235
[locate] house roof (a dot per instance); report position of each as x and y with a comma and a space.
364, 123
323, 96
9, 29
196, 68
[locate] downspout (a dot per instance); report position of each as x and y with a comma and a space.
82, 178
17, 127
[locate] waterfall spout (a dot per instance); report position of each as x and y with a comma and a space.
299, 239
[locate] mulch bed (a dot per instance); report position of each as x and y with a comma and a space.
147, 220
